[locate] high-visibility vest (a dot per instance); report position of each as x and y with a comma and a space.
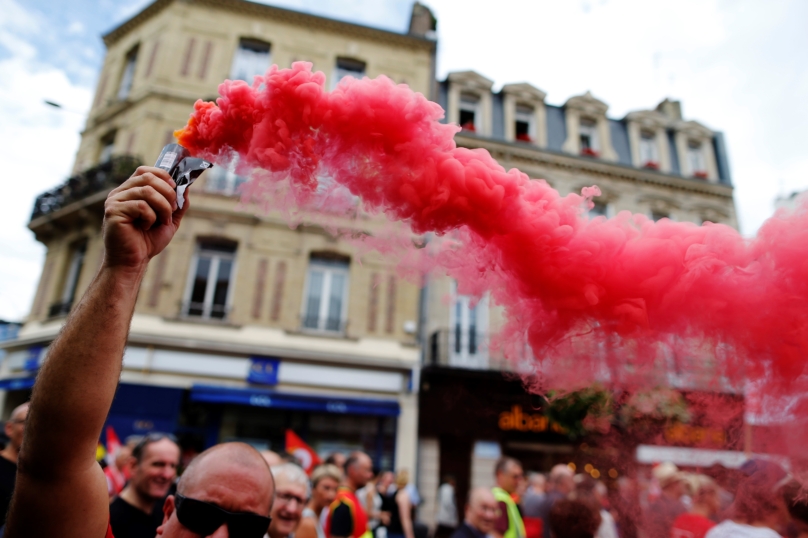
516, 527
360, 520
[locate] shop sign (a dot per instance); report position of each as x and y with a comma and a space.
518, 420
695, 435
263, 371
32, 359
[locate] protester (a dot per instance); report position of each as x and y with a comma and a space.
271, 457
371, 502
759, 510
402, 511
61, 490
336, 458
15, 431
560, 485
138, 510
662, 512
508, 475
534, 495
796, 500
481, 515
706, 504
119, 473
291, 493
347, 518
592, 493
571, 518
447, 508
324, 483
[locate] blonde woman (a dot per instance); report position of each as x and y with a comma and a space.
325, 480
402, 510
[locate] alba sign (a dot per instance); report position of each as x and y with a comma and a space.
518, 420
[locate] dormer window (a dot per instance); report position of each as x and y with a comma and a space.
252, 58
649, 157
469, 112
588, 136
599, 209
347, 67
695, 159
128, 74
525, 123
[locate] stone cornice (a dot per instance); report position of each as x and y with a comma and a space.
514, 154
470, 79
284, 15
647, 118
588, 104
525, 91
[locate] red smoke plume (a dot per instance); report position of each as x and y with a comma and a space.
622, 298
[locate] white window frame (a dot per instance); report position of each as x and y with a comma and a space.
249, 62
465, 358
329, 269
342, 72
128, 76
649, 152
470, 106
527, 115
695, 157
77, 256
589, 127
210, 288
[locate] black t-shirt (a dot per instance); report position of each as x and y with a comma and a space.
130, 522
8, 477
341, 521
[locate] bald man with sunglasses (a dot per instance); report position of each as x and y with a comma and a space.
61, 490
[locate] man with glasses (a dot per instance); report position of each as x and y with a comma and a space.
292, 490
138, 510
509, 476
61, 490
15, 430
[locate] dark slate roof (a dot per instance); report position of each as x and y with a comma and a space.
497, 116
556, 127
673, 152
619, 133
722, 159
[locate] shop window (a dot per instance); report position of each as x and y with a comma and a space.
347, 67
128, 74
252, 58
588, 137
107, 147
469, 114
525, 130
224, 180
695, 159
649, 157
75, 264
325, 300
210, 282
599, 209
468, 330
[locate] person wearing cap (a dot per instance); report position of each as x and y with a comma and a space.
706, 503
661, 513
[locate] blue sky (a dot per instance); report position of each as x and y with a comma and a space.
737, 66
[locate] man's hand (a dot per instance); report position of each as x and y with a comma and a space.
140, 218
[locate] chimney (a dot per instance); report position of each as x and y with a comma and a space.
422, 22
670, 109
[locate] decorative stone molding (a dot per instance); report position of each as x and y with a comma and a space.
655, 122
687, 131
470, 82
529, 95
587, 106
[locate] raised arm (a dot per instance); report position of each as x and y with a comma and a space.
61, 489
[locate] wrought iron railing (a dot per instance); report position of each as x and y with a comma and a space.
96, 179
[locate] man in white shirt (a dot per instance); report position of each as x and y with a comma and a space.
447, 508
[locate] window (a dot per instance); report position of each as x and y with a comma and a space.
468, 323
525, 123
659, 215
326, 295
107, 147
252, 58
128, 74
600, 209
74, 266
588, 136
347, 67
223, 180
469, 117
695, 159
209, 286
648, 150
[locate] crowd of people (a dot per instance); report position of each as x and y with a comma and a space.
231, 489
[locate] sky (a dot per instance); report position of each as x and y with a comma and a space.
737, 66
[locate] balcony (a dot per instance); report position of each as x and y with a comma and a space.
100, 178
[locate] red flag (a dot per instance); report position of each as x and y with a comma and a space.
303, 452
113, 443
115, 478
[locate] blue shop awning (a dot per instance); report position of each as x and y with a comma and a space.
17, 383
301, 402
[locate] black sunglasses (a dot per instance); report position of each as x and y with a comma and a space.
204, 518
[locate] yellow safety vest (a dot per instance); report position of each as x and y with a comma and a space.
516, 527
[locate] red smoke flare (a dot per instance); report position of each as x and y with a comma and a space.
618, 299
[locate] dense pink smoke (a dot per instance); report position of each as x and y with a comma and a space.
619, 299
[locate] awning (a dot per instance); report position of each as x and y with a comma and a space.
301, 402
17, 383
699, 457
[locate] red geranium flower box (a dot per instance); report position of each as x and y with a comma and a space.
468, 126
653, 165
524, 137
589, 152
701, 174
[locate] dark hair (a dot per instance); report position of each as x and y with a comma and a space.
757, 498
573, 519
796, 498
146, 440
503, 462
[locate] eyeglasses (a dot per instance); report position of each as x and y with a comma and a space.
204, 518
289, 497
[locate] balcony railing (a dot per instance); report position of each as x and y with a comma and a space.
99, 178
336, 326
